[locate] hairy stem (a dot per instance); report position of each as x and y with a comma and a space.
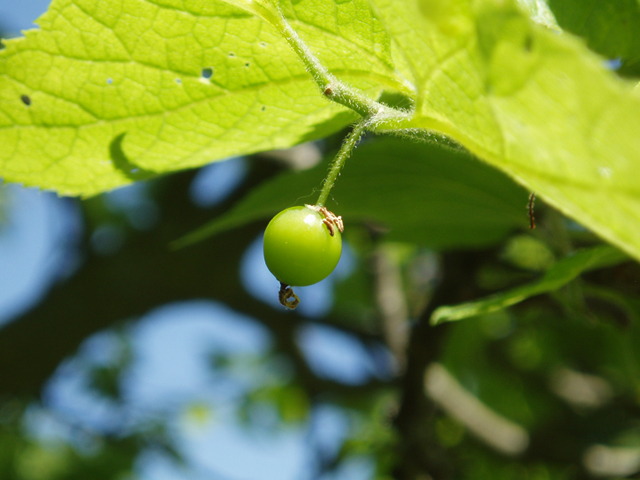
373, 113
345, 150
334, 89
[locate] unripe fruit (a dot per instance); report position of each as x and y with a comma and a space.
299, 248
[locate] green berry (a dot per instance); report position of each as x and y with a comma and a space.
299, 248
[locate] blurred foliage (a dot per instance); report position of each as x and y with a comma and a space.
555, 277
420, 193
564, 364
26, 459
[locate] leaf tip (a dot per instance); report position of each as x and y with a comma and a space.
436, 317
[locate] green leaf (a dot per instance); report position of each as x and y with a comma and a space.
350, 22
611, 28
421, 193
112, 91
538, 105
556, 277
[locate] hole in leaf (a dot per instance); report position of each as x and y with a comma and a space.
178, 81
207, 73
614, 64
26, 100
109, 81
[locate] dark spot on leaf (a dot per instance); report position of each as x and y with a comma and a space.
528, 43
263, 44
263, 108
26, 100
489, 87
207, 72
247, 64
231, 54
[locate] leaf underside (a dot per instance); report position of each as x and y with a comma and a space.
122, 90
538, 105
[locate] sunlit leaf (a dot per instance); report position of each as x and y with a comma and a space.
538, 105
112, 91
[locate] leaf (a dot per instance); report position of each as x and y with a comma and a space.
352, 21
556, 277
538, 105
112, 91
420, 193
91, 101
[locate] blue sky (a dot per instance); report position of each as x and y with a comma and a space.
17, 15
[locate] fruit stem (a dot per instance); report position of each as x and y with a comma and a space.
374, 114
345, 151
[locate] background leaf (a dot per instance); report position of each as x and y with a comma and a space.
420, 193
113, 91
556, 277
